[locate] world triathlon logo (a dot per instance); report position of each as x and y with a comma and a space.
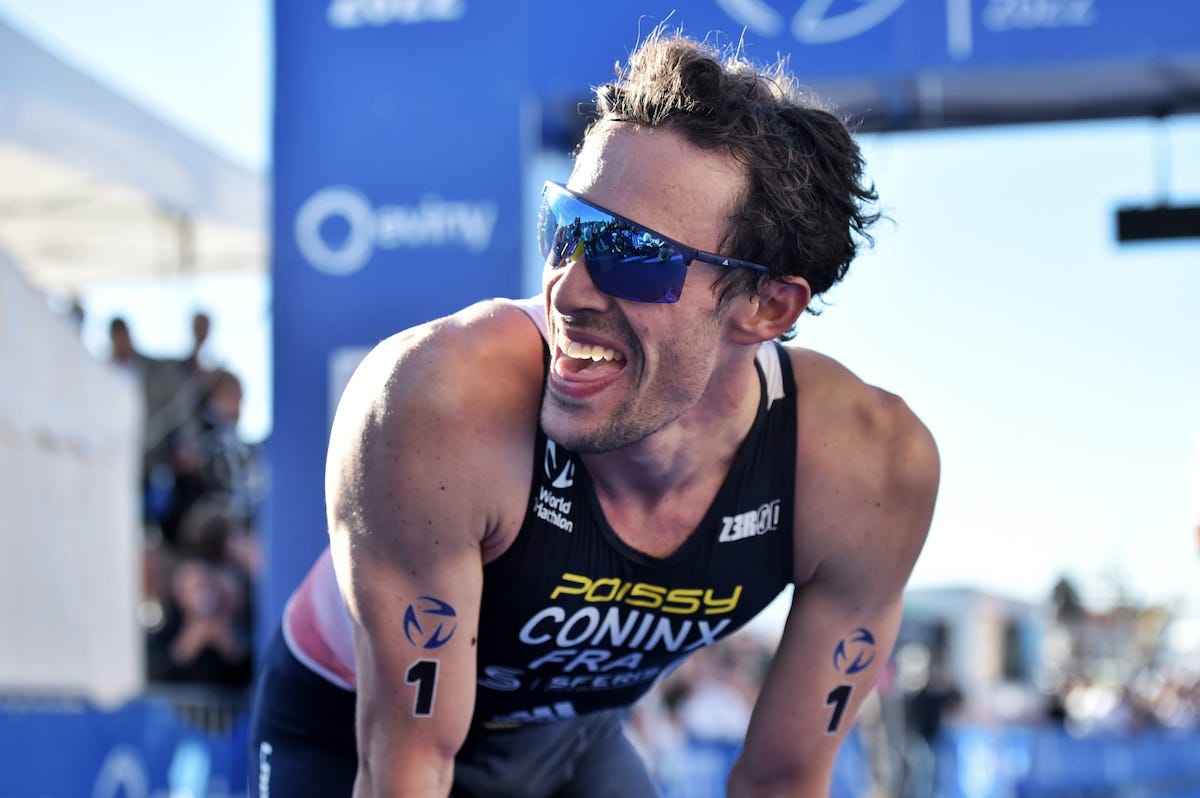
855, 653
562, 475
814, 21
425, 623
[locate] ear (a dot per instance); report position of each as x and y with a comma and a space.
771, 311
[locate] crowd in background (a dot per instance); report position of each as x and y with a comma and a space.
1114, 671
1092, 685
705, 705
201, 487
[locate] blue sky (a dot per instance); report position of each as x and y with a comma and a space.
1058, 371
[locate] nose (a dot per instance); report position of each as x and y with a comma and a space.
571, 287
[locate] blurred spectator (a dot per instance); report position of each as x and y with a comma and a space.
122, 352
926, 711
76, 314
655, 729
722, 687
218, 464
202, 487
176, 392
1067, 605
157, 383
704, 703
201, 327
207, 633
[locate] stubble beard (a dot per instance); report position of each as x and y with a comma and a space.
561, 423
631, 421
636, 417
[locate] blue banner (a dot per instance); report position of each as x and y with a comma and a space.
396, 200
878, 41
410, 135
65, 749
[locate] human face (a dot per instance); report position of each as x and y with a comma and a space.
622, 370
225, 402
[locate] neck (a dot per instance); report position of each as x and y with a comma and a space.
655, 492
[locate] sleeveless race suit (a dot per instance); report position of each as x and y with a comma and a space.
573, 620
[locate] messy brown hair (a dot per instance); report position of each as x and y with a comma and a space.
806, 207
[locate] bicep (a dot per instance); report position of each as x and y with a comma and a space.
408, 558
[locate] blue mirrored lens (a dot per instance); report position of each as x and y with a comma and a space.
623, 259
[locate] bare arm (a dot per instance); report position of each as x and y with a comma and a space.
862, 516
414, 496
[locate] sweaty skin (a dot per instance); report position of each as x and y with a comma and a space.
432, 447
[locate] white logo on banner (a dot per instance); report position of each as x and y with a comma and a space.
432, 222
122, 775
346, 14
812, 23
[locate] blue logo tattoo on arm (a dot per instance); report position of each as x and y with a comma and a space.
433, 611
855, 653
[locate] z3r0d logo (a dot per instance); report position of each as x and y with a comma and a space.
337, 230
815, 21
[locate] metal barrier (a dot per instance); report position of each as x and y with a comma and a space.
209, 709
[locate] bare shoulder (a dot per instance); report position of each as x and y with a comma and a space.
868, 468
447, 408
841, 415
485, 359
490, 343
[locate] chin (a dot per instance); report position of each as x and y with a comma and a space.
567, 430
582, 435
571, 429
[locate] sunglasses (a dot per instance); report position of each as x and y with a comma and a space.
623, 258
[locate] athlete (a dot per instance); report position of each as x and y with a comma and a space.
537, 508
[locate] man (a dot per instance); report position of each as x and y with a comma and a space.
531, 523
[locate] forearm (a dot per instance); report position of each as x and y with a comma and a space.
413, 710
399, 752
420, 771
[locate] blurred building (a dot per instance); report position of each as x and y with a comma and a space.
990, 648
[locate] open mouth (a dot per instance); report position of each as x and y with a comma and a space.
587, 362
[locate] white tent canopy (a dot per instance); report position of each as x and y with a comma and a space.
94, 187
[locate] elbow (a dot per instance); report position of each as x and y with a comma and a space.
393, 762
426, 779
746, 781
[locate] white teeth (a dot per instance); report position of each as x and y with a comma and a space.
588, 352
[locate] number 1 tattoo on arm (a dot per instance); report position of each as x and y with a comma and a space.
852, 655
838, 698
423, 673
